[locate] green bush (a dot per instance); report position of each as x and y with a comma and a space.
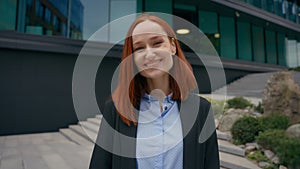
257, 156
275, 121
238, 102
286, 148
288, 152
245, 129
295, 69
259, 108
270, 139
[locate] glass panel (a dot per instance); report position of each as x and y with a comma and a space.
278, 7
292, 53
257, 3
47, 16
270, 5
227, 37
292, 11
8, 13
258, 44
281, 49
61, 5
92, 21
158, 6
244, 41
208, 23
271, 47
285, 9
120, 8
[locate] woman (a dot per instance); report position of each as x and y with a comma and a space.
156, 107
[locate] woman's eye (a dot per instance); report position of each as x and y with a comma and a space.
137, 49
157, 43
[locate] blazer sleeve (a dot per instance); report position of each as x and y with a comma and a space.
102, 156
212, 160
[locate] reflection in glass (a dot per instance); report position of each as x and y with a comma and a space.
227, 37
244, 41
258, 44
281, 48
292, 59
271, 47
208, 23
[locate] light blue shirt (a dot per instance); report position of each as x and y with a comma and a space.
159, 135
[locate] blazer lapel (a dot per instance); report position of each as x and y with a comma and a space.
188, 113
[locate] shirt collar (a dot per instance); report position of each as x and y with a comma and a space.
148, 97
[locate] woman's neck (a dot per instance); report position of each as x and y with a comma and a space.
161, 83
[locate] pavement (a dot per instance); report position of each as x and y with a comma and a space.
71, 148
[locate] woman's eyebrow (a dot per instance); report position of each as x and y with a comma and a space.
151, 38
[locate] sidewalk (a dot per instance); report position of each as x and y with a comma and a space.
71, 148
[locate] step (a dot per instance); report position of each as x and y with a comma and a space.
96, 121
99, 116
87, 134
87, 125
227, 147
71, 135
235, 162
223, 135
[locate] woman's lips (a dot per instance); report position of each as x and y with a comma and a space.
152, 63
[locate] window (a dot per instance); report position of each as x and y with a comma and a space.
120, 8
292, 58
244, 41
227, 37
271, 47
8, 13
47, 15
278, 7
208, 24
258, 44
281, 49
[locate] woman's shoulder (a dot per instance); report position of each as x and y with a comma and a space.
203, 101
109, 110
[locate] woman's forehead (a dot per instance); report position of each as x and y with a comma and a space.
148, 27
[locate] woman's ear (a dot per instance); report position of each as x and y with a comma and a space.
173, 46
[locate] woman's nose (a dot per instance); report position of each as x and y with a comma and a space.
149, 53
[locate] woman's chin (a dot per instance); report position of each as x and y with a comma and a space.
153, 73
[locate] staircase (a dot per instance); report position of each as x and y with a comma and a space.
251, 85
231, 156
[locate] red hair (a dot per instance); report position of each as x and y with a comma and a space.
131, 88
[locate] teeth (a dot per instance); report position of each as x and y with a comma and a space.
152, 64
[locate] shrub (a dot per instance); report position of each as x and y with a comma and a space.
286, 148
270, 139
245, 129
238, 102
288, 152
259, 108
275, 121
257, 156
295, 68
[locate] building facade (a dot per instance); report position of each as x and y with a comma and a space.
40, 41
43, 17
263, 31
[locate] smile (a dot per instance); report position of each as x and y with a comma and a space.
152, 64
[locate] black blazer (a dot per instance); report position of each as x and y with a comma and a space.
197, 154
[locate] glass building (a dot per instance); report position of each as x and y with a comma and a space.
43, 17
263, 31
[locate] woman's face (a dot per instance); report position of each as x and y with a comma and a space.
152, 50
